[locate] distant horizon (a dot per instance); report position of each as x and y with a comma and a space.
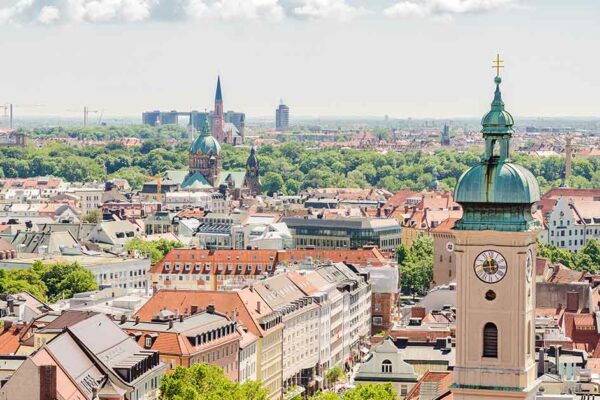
325, 58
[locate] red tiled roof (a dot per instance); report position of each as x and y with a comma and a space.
557, 192
581, 328
563, 274
214, 258
243, 302
9, 339
399, 198
361, 257
442, 379
446, 226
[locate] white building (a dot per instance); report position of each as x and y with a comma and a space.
300, 315
214, 202
572, 223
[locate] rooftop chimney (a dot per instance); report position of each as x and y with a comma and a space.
181, 318
258, 306
137, 319
171, 324
123, 318
210, 309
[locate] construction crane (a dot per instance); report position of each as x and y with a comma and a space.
158, 180
86, 114
8, 111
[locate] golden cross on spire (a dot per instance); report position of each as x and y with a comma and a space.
498, 63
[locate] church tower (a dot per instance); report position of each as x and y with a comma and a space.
218, 117
205, 155
495, 257
253, 174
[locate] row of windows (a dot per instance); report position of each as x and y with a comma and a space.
207, 267
193, 256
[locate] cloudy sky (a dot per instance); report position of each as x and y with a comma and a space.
404, 58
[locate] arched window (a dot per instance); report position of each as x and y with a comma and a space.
490, 340
386, 367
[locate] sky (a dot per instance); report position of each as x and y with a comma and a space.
402, 58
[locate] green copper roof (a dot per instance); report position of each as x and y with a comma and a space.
205, 143
497, 121
497, 194
497, 183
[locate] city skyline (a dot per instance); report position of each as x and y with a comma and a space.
323, 57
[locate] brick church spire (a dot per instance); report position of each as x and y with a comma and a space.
218, 117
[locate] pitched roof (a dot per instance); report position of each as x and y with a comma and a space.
9, 338
360, 257
431, 385
244, 303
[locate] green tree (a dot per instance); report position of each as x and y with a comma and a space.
272, 182
416, 268
335, 374
63, 280
93, 216
207, 382
372, 392
155, 249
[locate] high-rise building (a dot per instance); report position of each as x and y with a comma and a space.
495, 247
282, 117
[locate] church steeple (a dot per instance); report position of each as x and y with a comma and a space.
218, 94
253, 173
495, 246
497, 194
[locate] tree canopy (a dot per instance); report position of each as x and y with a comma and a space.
48, 281
416, 265
155, 249
586, 259
207, 382
287, 168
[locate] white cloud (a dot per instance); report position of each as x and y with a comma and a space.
334, 9
49, 15
234, 9
445, 8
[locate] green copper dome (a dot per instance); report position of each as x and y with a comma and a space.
497, 194
497, 183
205, 143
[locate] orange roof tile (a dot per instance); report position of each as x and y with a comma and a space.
243, 302
9, 339
442, 379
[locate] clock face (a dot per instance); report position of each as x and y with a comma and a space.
529, 266
490, 266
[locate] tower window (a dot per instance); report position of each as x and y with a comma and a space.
386, 367
528, 338
490, 340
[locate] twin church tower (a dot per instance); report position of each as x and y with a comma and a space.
495, 257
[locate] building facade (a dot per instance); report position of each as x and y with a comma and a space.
282, 118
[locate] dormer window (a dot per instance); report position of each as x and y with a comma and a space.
148, 342
239, 267
167, 266
259, 267
269, 267
187, 267
177, 267
198, 266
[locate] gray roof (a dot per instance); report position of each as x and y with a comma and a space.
197, 323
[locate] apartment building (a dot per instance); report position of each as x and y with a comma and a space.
189, 338
300, 317
85, 355
250, 312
